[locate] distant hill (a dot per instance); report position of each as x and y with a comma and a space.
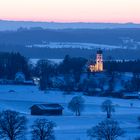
14, 36
41, 36
14, 25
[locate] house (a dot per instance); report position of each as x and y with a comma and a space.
19, 77
47, 109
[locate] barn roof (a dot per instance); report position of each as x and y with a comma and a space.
48, 106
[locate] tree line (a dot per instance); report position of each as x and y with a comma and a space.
97, 36
122, 66
68, 74
11, 63
70, 71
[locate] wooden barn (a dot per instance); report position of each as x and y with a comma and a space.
47, 109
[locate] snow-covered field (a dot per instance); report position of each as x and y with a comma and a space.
88, 46
70, 127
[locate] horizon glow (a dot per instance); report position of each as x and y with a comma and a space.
120, 11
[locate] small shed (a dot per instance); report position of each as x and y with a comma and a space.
47, 109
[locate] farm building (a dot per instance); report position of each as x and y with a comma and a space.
19, 77
47, 109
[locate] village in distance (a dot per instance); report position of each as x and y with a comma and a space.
75, 99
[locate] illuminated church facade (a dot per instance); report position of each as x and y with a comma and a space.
98, 66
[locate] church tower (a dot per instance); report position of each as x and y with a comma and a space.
98, 66
99, 60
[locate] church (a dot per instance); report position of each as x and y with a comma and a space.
98, 66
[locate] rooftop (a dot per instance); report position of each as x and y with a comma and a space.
48, 106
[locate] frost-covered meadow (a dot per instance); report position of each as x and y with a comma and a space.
89, 46
70, 127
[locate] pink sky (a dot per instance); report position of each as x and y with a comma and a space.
71, 10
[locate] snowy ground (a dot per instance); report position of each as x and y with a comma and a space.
70, 127
88, 46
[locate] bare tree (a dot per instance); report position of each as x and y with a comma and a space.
108, 107
106, 130
76, 105
12, 125
42, 129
